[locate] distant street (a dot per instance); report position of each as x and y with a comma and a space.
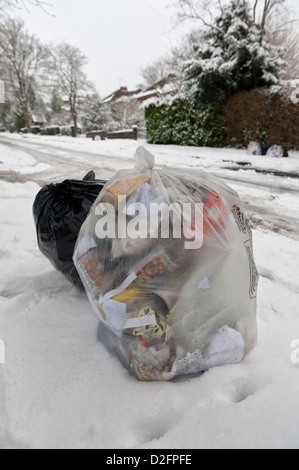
65, 163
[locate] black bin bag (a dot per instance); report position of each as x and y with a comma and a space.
59, 211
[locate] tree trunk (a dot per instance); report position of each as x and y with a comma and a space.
74, 118
254, 10
75, 121
267, 6
28, 121
73, 109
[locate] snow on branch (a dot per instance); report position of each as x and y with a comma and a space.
204, 10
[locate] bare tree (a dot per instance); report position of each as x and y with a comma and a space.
171, 63
4, 4
68, 64
270, 7
23, 59
284, 32
155, 71
199, 10
259, 11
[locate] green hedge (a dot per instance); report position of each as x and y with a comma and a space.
178, 123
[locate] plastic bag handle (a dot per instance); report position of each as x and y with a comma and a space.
144, 159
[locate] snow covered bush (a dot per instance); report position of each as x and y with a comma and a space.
91, 112
51, 130
178, 122
232, 56
69, 131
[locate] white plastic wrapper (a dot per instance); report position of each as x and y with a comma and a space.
167, 262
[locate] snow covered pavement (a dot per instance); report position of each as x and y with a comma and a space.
59, 387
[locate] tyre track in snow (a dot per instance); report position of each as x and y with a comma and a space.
65, 163
68, 164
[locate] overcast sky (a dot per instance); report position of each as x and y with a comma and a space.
118, 36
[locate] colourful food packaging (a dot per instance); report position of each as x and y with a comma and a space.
160, 264
92, 269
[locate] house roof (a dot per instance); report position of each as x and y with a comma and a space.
163, 87
162, 83
144, 95
122, 92
39, 117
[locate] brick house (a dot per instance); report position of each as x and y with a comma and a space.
125, 109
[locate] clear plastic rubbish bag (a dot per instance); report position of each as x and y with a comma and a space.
254, 148
166, 259
276, 151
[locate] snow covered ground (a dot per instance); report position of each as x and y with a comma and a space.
21, 162
59, 387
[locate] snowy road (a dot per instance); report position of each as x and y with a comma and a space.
268, 199
64, 163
